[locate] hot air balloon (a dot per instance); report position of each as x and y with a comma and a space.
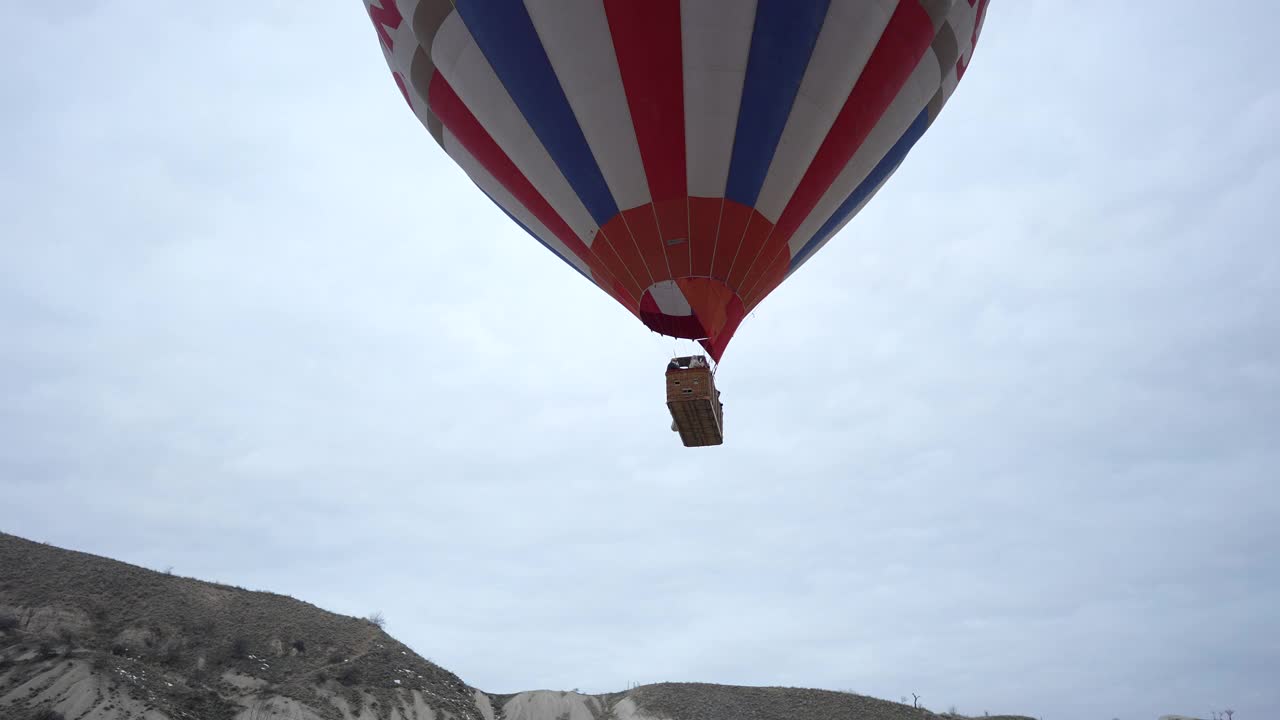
686, 156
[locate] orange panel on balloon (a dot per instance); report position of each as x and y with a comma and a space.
622, 291
622, 242
765, 262
733, 222
644, 228
704, 223
715, 345
673, 222
709, 300
772, 276
754, 238
599, 268
616, 266
620, 294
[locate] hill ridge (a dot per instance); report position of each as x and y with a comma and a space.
94, 638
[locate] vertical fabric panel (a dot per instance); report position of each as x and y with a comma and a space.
576, 37
461, 62
514, 210
905, 40
505, 34
715, 41
472, 136
848, 37
781, 42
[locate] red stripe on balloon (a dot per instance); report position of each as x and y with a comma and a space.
647, 41
646, 38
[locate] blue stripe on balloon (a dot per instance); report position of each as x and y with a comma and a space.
781, 44
509, 41
882, 170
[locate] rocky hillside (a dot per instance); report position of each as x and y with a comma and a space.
87, 638
96, 638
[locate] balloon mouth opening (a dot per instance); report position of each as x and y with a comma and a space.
693, 308
686, 327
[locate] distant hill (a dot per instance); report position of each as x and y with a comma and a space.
88, 638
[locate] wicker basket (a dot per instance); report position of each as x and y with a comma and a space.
694, 402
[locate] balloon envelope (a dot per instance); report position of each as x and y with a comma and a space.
686, 157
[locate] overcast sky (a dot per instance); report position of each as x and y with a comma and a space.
1011, 441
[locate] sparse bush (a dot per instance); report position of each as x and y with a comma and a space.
172, 653
300, 646
240, 647
119, 649
200, 675
8, 622
349, 675
200, 628
46, 714
336, 657
321, 677
68, 640
377, 620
